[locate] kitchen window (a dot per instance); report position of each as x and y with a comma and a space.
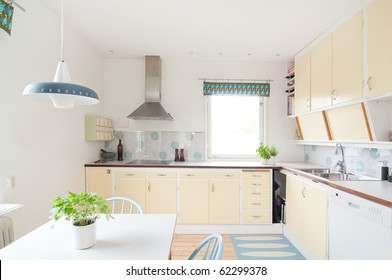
235, 125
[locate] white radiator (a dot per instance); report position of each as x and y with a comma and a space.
6, 231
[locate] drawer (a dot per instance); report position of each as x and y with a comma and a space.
122, 174
225, 175
256, 183
161, 175
194, 175
264, 203
257, 194
256, 216
258, 174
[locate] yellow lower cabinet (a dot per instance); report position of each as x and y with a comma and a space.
99, 180
224, 201
161, 193
131, 184
193, 201
256, 197
307, 213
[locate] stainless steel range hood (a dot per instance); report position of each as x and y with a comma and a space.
152, 109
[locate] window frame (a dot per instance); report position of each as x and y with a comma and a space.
263, 113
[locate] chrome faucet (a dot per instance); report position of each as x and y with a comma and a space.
341, 163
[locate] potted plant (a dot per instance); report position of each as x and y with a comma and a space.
264, 153
273, 152
82, 209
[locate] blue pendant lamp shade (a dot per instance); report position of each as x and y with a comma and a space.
62, 92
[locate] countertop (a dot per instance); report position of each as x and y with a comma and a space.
377, 191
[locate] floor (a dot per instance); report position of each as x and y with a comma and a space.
184, 244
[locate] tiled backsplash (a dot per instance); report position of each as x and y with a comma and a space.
363, 161
158, 144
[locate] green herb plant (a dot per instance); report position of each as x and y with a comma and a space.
82, 209
263, 151
273, 151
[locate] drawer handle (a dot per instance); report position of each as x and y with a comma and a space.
189, 175
256, 216
256, 193
256, 184
130, 174
256, 203
161, 175
256, 176
229, 175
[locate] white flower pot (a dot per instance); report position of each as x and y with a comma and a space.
84, 237
263, 161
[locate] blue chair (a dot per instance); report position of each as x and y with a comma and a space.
212, 246
125, 203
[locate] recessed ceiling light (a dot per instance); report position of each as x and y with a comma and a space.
249, 54
220, 53
111, 51
278, 54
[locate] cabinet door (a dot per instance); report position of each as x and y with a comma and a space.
99, 180
161, 196
224, 201
313, 127
321, 74
302, 83
132, 188
193, 201
315, 209
349, 123
294, 200
347, 61
379, 46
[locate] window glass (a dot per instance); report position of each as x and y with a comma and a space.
235, 126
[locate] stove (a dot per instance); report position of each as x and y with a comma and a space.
149, 162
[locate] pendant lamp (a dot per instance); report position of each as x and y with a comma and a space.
62, 92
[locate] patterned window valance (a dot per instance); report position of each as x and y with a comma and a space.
230, 88
6, 13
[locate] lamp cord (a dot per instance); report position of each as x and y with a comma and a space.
62, 31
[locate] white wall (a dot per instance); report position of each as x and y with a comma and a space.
182, 95
42, 147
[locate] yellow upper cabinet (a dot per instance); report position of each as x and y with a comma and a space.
302, 83
321, 73
379, 47
347, 59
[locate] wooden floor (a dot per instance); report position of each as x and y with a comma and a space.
184, 244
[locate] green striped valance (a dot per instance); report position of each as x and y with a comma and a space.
221, 88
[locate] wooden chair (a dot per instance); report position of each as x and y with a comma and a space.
125, 203
211, 248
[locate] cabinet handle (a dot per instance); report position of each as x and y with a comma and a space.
257, 204
149, 187
256, 184
256, 216
161, 175
130, 174
189, 175
303, 192
256, 193
369, 83
229, 175
256, 176
107, 171
334, 96
307, 100
213, 188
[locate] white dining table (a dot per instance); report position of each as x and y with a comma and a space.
126, 237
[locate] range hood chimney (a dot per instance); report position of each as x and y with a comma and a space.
152, 109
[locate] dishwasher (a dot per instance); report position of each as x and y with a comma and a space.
359, 229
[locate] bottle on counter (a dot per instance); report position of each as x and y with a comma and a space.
176, 155
119, 151
384, 170
182, 156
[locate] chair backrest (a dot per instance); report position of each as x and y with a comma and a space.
124, 205
211, 248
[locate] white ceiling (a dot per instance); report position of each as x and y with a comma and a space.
266, 30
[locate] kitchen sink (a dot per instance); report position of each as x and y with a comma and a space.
334, 175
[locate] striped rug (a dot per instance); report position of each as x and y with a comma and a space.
264, 247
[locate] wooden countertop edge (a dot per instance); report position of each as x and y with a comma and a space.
181, 166
339, 187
